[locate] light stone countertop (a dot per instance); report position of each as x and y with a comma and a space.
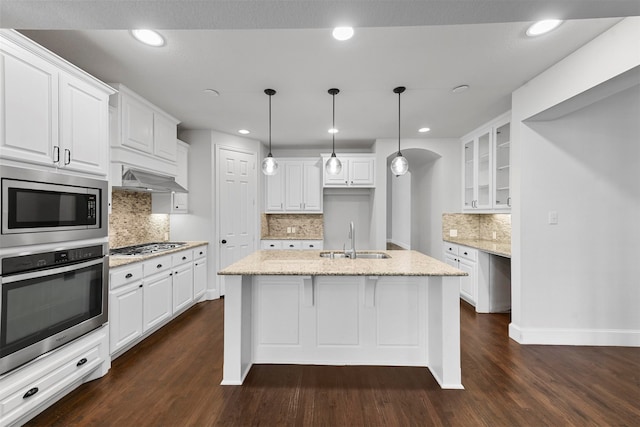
490, 246
309, 263
120, 260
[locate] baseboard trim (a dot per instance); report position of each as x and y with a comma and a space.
579, 337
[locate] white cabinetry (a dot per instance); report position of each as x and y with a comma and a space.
145, 295
464, 258
357, 171
51, 113
146, 136
175, 202
485, 167
292, 244
26, 391
295, 188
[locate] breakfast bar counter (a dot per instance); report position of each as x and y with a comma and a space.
298, 307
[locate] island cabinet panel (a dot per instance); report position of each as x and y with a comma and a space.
397, 314
338, 310
279, 312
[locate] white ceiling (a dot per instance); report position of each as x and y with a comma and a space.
287, 46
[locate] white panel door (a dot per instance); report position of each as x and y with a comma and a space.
165, 144
28, 106
125, 316
237, 213
157, 299
137, 125
199, 278
361, 171
274, 199
84, 127
467, 283
182, 287
312, 181
293, 186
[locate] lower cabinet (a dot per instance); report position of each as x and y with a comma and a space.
292, 244
145, 295
29, 390
464, 258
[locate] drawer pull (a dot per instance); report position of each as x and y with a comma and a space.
201, 252
128, 276
81, 362
159, 266
184, 257
311, 246
30, 393
466, 253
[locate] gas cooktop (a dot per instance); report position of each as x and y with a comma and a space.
145, 248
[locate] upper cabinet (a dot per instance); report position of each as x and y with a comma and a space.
175, 202
358, 170
485, 168
295, 188
51, 113
146, 136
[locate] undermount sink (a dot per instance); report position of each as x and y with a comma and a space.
362, 255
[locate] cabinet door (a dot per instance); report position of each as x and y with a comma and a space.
502, 161
339, 180
182, 161
182, 287
157, 300
199, 278
164, 137
467, 283
361, 172
468, 173
293, 186
84, 128
137, 125
312, 191
125, 316
274, 197
28, 106
483, 198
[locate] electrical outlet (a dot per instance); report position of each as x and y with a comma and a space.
553, 217
166, 237
293, 230
453, 233
288, 230
495, 235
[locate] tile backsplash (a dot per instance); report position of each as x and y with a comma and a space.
478, 226
306, 226
131, 221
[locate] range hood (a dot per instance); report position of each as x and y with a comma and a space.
137, 180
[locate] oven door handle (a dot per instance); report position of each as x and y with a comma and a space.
53, 271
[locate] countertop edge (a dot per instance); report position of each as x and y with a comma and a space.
116, 261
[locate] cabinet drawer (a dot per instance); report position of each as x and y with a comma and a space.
46, 386
125, 275
271, 244
468, 253
156, 265
312, 244
200, 252
181, 257
450, 248
292, 244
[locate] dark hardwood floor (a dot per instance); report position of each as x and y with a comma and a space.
172, 379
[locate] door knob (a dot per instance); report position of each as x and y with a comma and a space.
223, 241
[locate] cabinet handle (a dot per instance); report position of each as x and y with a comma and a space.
67, 156
81, 362
280, 205
311, 246
128, 276
351, 182
196, 264
466, 253
224, 242
30, 393
171, 274
201, 252
290, 246
176, 207
56, 154
184, 257
509, 201
159, 266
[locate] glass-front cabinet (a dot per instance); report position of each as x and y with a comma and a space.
485, 169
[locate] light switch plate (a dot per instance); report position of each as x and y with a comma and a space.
553, 217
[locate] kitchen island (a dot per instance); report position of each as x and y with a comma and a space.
296, 307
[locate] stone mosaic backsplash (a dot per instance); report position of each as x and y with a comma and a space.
478, 226
131, 221
307, 226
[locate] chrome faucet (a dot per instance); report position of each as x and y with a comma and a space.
351, 253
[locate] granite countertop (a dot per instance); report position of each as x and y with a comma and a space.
290, 237
309, 263
490, 246
120, 260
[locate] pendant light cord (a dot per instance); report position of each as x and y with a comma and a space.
333, 133
399, 153
269, 124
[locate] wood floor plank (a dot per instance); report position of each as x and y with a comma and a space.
172, 379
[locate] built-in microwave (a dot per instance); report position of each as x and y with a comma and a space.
46, 207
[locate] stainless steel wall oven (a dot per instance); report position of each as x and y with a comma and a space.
46, 207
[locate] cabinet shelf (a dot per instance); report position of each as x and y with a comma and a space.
502, 189
500, 168
504, 144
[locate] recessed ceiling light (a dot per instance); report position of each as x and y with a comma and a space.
333, 130
342, 33
542, 27
148, 37
460, 88
244, 132
423, 130
212, 92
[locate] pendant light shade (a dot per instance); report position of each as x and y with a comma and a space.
333, 165
269, 164
399, 165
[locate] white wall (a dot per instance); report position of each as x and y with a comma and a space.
401, 210
434, 191
342, 206
577, 282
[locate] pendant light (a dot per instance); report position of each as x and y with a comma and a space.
269, 164
333, 166
399, 165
